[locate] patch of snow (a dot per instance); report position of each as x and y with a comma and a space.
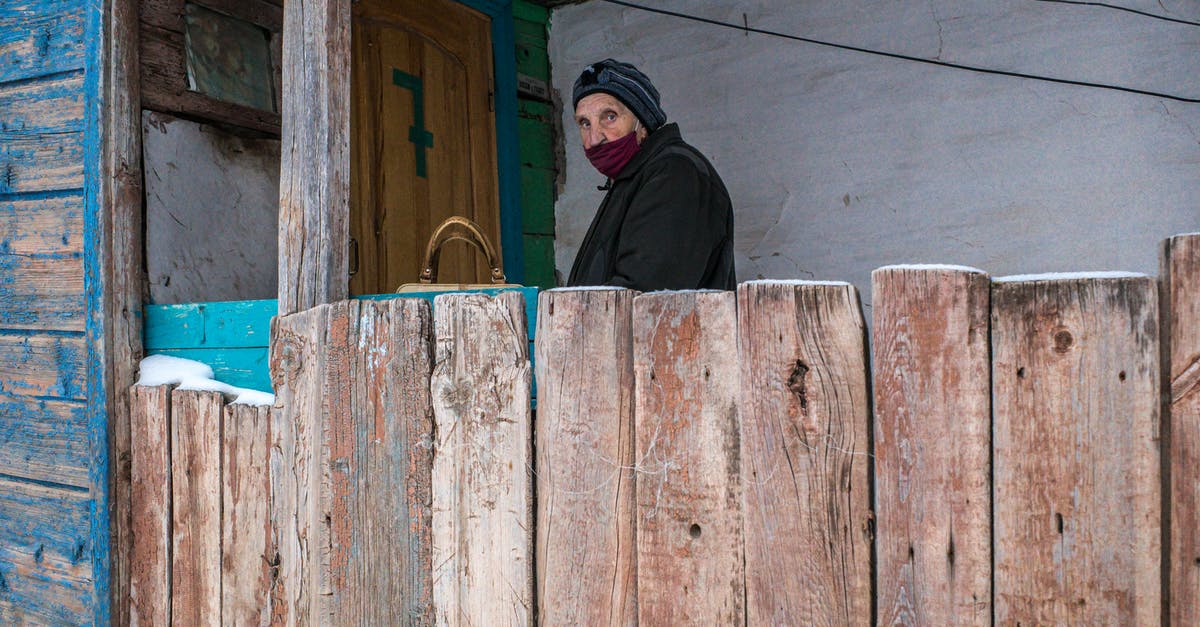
794, 282
188, 374
931, 266
1068, 276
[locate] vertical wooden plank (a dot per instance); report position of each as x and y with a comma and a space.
482, 488
150, 505
586, 562
689, 525
196, 507
1076, 494
314, 180
932, 446
1180, 298
379, 427
805, 453
297, 451
246, 549
125, 287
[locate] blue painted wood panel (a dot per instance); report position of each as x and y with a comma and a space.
243, 367
41, 135
45, 555
230, 324
41, 292
39, 37
51, 224
44, 441
43, 366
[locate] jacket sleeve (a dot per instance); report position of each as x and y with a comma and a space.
669, 230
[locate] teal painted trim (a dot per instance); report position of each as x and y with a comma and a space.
95, 288
228, 324
243, 367
504, 61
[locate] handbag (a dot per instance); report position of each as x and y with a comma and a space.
460, 228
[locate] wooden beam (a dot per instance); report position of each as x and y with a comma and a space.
196, 507
1077, 493
805, 449
314, 181
246, 548
482, 466
586, 560
150, 506
689, 529
933, 421
1180, 298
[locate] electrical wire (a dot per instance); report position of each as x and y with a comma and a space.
904, 57
1127, 9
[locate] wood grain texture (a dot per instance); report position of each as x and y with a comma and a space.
380, 431
1076, 494
42, 226
805, 447
314, 181
933, 425
43, 137
246, 548
586, 558
43, 366
44, 440
196, 507
482, 487
689, 526
40, 37
150, 506
1180, 297
297, 463
41, 292
45, 555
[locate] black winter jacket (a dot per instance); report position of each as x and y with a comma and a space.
665, 224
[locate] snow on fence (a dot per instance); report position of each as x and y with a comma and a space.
697, 457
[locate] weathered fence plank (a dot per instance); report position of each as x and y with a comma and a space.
482, 488
246, 550
1180, 298
586, 564
1075, 379
932, 384
196, 507
380, 433
689, 528
150, 506
804, 451
297, 462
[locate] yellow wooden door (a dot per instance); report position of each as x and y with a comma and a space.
423, 139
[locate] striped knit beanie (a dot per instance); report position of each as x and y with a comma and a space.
625, 83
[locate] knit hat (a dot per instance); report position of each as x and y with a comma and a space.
625, 83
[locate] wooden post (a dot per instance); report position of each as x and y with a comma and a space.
586, 562
932, 446
689, 527
1075, 388
297, 367
196, 507
805, 453
314, 178
246, 551
378, 423
1180, 298
150, 503
482, 488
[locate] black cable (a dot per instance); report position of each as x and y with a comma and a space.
1120, 8
905, 57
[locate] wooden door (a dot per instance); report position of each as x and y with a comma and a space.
423, 139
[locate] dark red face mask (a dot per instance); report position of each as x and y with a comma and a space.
611, 157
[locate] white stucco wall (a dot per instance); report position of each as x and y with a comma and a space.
840, 162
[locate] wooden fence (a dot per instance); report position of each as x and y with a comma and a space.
1016, 451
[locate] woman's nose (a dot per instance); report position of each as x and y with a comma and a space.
593, 137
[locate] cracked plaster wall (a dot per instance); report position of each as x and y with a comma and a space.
840, 162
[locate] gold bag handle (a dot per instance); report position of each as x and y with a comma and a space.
460, 228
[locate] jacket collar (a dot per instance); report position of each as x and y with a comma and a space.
654, 142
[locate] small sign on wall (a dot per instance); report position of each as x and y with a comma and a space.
228, 58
